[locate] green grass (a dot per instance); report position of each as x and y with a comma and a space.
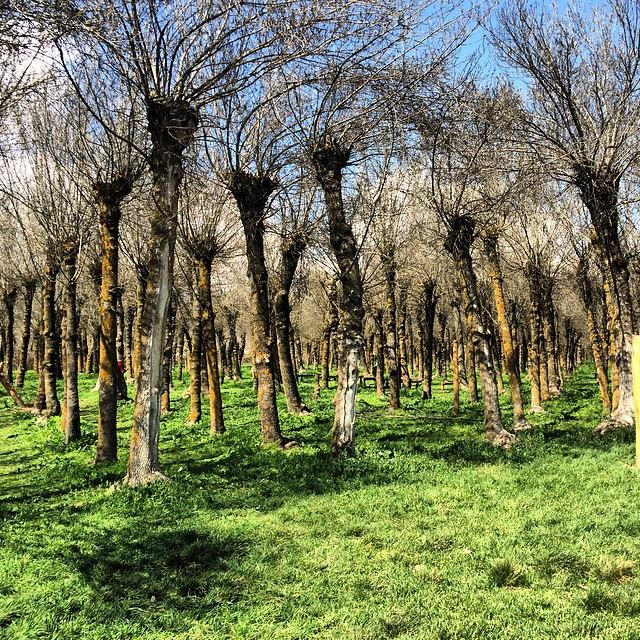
427, 533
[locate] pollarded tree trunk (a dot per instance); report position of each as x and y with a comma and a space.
455, 366
108, 196
391, 356
9, 299
195, 358
458, 244
29, 294
252, 193
330, 328
506, 337
403, 363
380, 351
51, 270
430, 302
586, 293
71, 397
599, 193
550, 337
167, 361
329, 161
290, 251
470, 361
209, 346
172, 125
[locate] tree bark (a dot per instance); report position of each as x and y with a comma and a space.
290, 253
391, 356
71, 397
380, 351
599, 193
9, 300
108, 196
29, 294
586, 293
209, 347
172, 125
51, 270
506, 336
458, 244
430, 302
195, 358
252, 192
329, 161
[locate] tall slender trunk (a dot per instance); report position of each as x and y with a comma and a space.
430, 302
506, 336
71, 397
329, 161
595, 339
209, 346
108, 195
290, 253
455, 366
9, 300
330, 328
402, 341
252, 193
380, 351
51, 270
29, 294
458, 244
195, 357
391, 357
172, 125
167, 361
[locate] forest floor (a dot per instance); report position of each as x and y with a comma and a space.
427, 533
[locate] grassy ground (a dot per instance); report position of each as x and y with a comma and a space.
428, 533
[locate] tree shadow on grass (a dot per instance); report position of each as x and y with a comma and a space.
175, 567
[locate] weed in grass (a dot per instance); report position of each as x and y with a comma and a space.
505, 573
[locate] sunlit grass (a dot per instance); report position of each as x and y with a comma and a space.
427, 533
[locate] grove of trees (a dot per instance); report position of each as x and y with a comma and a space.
340, 190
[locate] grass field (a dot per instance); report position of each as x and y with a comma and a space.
427, 533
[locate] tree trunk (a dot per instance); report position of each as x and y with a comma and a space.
599, 193
71, 397
195, 358
29, 293
252, 193
430, 302
391, 356
506, 336
9, 305
329, 161
455, 366
209, 346
109, 195
380, 351
290, 253
167, 361
172, 125
458, 244
51, 269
